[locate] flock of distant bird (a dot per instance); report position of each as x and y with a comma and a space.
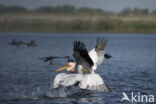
50, 59
19, 42
32, 43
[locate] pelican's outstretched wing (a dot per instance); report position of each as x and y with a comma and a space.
81, 55
99, 48
94, 82
64, 79
97, 54
85, 81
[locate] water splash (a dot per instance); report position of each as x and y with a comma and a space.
61, 92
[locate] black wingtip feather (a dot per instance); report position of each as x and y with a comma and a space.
101, 43
102, 40
107, 56
80, 48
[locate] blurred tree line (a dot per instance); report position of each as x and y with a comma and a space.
134, 12
67, 9
9, 9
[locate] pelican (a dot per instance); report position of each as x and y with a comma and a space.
50, 58
82, 71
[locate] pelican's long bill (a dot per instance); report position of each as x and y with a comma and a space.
63, 68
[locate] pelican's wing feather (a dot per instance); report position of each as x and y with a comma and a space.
101, 44
94, 82
87, 81
107, 56
97, 54
64, 79
81, 54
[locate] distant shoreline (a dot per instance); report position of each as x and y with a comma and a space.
70, 33
62, 23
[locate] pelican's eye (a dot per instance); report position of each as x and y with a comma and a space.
68, 64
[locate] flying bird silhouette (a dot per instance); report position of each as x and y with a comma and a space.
50, 58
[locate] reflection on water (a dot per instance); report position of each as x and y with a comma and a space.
26, 79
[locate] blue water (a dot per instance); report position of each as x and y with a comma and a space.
24, 79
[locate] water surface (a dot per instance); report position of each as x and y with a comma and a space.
26, 79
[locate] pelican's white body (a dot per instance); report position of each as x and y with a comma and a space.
86, 81
96, 58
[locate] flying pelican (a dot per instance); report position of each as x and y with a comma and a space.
82, 70
50, 58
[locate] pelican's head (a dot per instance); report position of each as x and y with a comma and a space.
70, 67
